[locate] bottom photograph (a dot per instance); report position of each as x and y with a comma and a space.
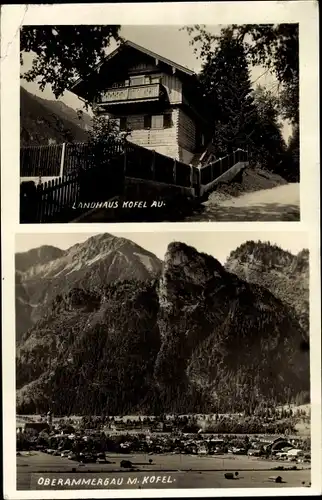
162, 360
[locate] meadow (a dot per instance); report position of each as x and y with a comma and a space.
185, 470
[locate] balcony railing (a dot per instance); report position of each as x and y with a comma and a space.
131, 93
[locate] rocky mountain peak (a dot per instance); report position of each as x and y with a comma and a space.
260, 255
186, 262
92, 264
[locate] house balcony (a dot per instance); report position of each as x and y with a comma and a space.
121, 97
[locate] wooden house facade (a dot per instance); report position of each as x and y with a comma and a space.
156, 100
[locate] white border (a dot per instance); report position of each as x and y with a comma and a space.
306, 13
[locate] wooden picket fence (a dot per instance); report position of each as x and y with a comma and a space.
57, 160
34, 160
63, 199
139, 162
49, 201
78, 179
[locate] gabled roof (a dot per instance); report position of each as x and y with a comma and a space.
148, 52
139, 48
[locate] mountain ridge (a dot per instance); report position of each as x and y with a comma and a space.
93, 263
44, 122
191, 336
286, 275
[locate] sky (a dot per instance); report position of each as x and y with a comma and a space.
219, 244
168, 41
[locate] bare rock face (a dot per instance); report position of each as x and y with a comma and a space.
221, 333
124, 332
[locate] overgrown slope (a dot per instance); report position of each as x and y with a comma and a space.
284, 274
44, 122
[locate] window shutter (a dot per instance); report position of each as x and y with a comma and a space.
167, 120
147, 121
123, 123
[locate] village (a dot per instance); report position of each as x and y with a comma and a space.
90, 439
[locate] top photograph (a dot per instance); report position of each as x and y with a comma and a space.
159, 123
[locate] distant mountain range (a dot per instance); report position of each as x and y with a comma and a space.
44, 122
45, 272
105, 326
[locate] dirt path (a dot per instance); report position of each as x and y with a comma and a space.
281, 203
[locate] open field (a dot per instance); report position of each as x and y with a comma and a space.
186, 471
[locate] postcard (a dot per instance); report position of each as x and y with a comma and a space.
154, 344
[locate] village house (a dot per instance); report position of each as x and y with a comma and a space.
157, 100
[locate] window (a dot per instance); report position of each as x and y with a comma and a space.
135, 122
157, 121
151, 79
137, 80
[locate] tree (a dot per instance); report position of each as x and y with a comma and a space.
244, 117
270, 145
104, 135
227, 88
276, 47
64, 53
273, 46
293, 154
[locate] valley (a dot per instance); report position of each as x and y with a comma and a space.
128, 365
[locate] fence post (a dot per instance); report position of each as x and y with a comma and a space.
62, 159
191, 176
175, 172
220, 166
234, 158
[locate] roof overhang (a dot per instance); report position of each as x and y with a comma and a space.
78, 86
